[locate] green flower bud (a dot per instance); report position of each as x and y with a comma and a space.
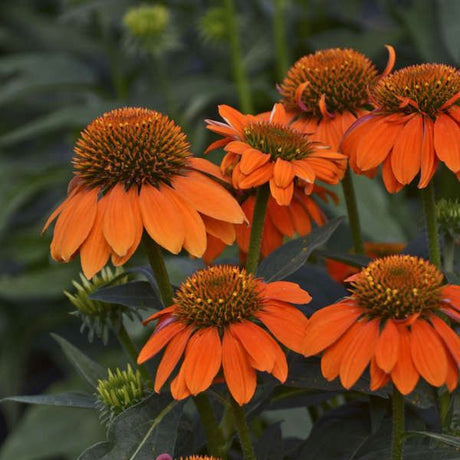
448, 215
213, 25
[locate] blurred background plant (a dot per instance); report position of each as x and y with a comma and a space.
64, 62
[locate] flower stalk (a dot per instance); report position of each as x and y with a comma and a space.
243, 431
398, 424
279, 31
429, 209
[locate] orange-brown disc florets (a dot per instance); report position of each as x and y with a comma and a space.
278, 140
397, 287
131, 146
421, 88
342, 76
218, 296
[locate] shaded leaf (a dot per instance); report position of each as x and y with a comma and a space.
60, 399
355, 260
292, 255
86, 367
270, 444
444, 438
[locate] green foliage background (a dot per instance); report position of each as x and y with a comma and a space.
64, 62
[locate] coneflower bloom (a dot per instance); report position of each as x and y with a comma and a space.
134, 171
415, 124
271, 150
280, 221
328, 90
394, 321
217, 322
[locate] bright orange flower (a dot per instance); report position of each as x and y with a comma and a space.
339, 271
280, 222
134, 171
416, 124
271, 150
217, 319
391, 321
328, 90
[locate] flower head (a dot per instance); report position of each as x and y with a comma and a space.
392, 321
328, 91
134, 171
216, 320
415, 125
269, 149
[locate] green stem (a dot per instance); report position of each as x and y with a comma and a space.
239, 71
279, 30
448, 252
243, 431
159, 269
131, 349
214, 437
258, 218
352, 210
431, 224
398, 424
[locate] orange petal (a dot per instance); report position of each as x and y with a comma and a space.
304, 171
257, 177
171, 356
202, 360
217, 145
328, 324
271, 238
359, 352
95, 251
387, 349
162, 218
407, 149
328, 133
300, 218
59, 209
279, 115
389, 179
429, 160
159, 314
283, 173
233, 117
287, 292
205, 166
252, 159
379, 378
238, 147
225, 231
214, 248
314, 211
240, 376
74, 224
179, 389
158, 340
120, 260
448, 336
451, 295
452, 374
262, 350
208, 197
447, 141
285, 322
121, 218
281, 217
404, 374
428, 353
283, 196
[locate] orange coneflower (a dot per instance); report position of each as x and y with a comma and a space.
134, 171
340, 271
328, 90
416, 124
271, 150
217, 319
393, 321
280, 221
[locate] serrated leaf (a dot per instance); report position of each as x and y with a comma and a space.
136, 294
60, 399
86, 367
292, 255
141, 432
444, 438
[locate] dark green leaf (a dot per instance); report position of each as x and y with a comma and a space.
95, 452
60, 399
292, 255
86, 367
425, 453
136, 294
355, 260
270, 444
444, 438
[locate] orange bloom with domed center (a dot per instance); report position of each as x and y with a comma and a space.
269, 149
394, 321
134, 171
328, 90
416, 124
217, 322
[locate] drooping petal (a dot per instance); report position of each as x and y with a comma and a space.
304, 171
379, 378
387, 348
171, 356
429, 160
285, 322
240, 376
203, 358
205, 166
179, 389
300, 218
404, 374
281, 217
271, 238
257, 177
287, 292
389, 179
283, 173
428, 353
447, 141
225, 231
359, 352
218, 144
252, 159
283, 196
158, 340
452, 374
233, 117
327, 325
449, 337
162, 218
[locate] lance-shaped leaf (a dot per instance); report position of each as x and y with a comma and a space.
59, 399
